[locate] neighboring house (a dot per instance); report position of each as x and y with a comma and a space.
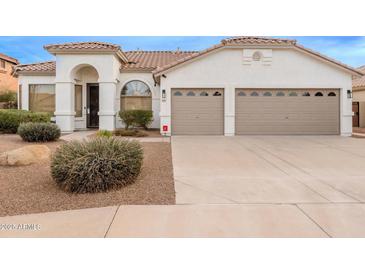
358, 101
8, 81
244, 85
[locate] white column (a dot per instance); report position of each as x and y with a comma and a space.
25, 96
165, 111
345, 112
229, 111
65, 106
107, 98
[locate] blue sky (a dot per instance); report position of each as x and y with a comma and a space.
28, 49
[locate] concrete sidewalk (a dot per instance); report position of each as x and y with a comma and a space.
228, 220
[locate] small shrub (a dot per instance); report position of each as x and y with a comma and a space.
10, 119
143, 118
136, 118
8, 96
127, 118
39, 132
96, 165
104, 133
129, 133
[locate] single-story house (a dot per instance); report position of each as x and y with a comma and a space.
243, 85
358, 101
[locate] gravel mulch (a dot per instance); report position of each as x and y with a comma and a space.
30, 189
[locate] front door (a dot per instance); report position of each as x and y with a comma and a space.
355, 117
92, 105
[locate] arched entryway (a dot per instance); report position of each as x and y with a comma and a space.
86, 99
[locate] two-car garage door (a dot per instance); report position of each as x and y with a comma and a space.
257, 111
289, 111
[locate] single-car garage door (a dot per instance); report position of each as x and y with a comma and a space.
197, 111
289, 111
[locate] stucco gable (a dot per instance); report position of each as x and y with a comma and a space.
254, 43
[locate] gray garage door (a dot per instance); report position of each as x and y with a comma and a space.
287, 111
197, 111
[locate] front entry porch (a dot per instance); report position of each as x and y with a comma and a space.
86, 101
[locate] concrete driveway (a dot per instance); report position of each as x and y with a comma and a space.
264, 186
320, 177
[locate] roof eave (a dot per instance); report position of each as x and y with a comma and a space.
329, 60
118, 52
36, 73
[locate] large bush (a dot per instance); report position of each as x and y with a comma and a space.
39, 132
96, 165
136, 118
10, 119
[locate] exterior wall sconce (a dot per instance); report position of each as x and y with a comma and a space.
349, 93
163, 95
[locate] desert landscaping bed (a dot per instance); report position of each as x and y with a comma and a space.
31, 189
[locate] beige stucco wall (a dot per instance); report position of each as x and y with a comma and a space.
286, 68
7, 81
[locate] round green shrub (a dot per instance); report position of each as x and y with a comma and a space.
96, 165
39, 132
136, 118
10, 119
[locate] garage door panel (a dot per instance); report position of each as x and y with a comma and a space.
287, 114
197, 115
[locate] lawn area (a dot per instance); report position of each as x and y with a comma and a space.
31, 189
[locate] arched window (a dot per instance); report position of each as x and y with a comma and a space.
293, 93
254, 93
177, 93
318, 94
331, 94
306, 94
135, 95
190, 93
241, 94
256, 56
280, 93
267, 93
217, 93
204, 93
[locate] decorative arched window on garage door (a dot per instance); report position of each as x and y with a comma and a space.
136, 95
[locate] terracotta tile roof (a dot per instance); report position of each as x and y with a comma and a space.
254, 41
49, 67
150, 60
8, 58
137, 61
359, 82
83, 46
